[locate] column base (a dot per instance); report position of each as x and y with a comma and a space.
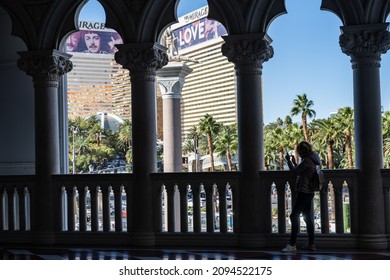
373, 241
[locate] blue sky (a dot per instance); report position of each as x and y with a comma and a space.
307, 59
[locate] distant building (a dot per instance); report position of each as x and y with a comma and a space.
96, 83
210, 88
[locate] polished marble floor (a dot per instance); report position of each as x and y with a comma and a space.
120, 253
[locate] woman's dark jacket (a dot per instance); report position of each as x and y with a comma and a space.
305, 171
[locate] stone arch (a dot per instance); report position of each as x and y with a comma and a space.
40, 25
358, 12
249, 17
139, 21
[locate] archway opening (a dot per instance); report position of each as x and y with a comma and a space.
97, 95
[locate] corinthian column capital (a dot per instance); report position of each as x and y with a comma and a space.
250, 50
365, 44
45, 66
142, 60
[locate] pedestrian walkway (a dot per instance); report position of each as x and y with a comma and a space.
120, 253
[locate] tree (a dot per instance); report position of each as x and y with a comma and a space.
210, 127
125, 138
327, 134
125, 134
294, 135
227, 143
301, 105
276, 141
344, 123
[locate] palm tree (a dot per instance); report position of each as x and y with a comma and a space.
188, 146
294, 134
280, 143
276, 141
327, 134
344, 123
210, 127
125, 134
301, 105
194, 136
227, 143
125, 138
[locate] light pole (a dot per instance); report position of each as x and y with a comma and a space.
74, 130
196, 152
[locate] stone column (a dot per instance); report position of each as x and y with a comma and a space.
365, 44
248, 53
45, 67
171, 80
143, 60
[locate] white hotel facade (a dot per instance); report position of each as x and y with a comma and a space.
210, 88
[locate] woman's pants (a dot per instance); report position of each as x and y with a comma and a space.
303, 204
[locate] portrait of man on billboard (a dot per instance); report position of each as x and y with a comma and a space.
71, 43
93, 42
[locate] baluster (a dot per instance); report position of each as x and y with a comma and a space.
5, 209
183, 208
160, 214
210, 208
324, 208
26, 219
129, 208
338, 192
222, 208
11, 213
235, 207
16, 209
64, 209
82, 209
171, 208
106, 209
176, 203
196, 208
2, 212
283, 192
94, 209
72, 208
118, 209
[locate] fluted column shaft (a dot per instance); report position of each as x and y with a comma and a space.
143, 60
365, 45
45, 67
248, 53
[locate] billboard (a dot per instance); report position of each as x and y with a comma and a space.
196, 32
93, 37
